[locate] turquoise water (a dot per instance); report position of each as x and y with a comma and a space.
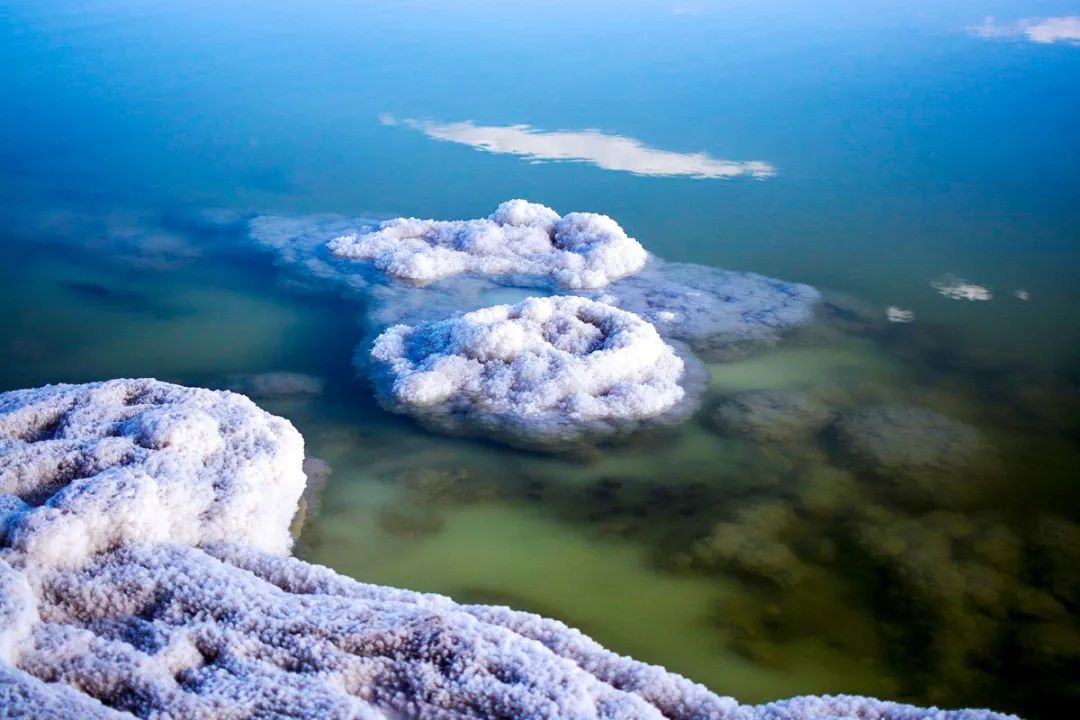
137, 137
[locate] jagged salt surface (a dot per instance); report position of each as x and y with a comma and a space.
544, 370
578, 250
203, 618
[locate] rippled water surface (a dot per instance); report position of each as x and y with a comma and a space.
886, 502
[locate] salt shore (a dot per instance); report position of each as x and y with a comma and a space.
144, 572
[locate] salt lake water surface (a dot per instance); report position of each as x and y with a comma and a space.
876, 493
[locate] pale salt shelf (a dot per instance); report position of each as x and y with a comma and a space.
144, 573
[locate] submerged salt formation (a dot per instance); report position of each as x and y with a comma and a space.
279, 385
921, 452
772, 415
546, 370
179, 602
715, 311
578, 250
753, 544
950, 589
300, 242
967, 581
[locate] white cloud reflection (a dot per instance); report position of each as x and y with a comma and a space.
899, 315
611, 152
1044, 31
960, 289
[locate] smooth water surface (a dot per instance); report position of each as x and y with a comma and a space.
879, 152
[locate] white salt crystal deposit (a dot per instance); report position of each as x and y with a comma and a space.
124, 461
546, 369
579, 250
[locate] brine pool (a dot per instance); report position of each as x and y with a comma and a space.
899, 157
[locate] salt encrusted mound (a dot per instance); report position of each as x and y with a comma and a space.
545, 370
173, 607
578, 250
713, 310
88, 467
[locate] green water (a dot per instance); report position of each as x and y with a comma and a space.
140, 135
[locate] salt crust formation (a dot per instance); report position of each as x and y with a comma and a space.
143, 574
579, 250
97, 466
418, 273
706, 307
546, 370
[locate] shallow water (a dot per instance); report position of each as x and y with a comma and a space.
906, 149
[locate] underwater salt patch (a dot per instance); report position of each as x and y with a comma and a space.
920, 453
772, 415
277, 385
713, 309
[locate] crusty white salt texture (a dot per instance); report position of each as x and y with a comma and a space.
545, 369
179, 603
578, 250
113, 463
